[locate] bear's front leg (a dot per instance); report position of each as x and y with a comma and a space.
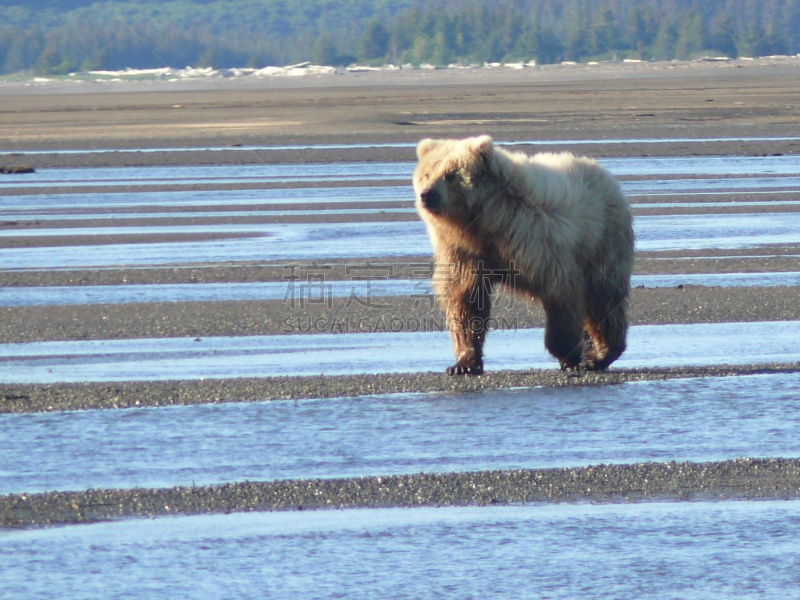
467, 307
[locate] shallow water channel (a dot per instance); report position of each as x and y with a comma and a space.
321, 290
699, 420
367, 145
304, 241
376, 352
375, 171
691, 551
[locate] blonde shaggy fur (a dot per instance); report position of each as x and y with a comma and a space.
560, 221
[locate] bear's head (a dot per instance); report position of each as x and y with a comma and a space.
448, 176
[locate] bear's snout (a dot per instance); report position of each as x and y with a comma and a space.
431, 199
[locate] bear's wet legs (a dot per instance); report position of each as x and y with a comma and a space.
467, 304
468, 329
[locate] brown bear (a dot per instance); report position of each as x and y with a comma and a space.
557, 221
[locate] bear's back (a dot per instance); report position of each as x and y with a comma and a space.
567, 184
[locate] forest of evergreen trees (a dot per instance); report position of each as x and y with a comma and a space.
60, 36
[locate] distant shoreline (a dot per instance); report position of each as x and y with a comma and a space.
307, 74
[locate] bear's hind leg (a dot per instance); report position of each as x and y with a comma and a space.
563, 335
608, 327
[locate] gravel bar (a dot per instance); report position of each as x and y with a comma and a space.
29, 398
750, 479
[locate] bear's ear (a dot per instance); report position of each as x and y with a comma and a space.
426, 146
482, 145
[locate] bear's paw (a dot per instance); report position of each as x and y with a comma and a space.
466, 367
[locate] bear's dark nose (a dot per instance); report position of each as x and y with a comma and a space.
431, 199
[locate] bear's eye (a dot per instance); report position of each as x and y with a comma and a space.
449, 176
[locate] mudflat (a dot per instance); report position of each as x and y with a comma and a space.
744, 108
671, 100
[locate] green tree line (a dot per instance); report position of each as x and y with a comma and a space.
60, 36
